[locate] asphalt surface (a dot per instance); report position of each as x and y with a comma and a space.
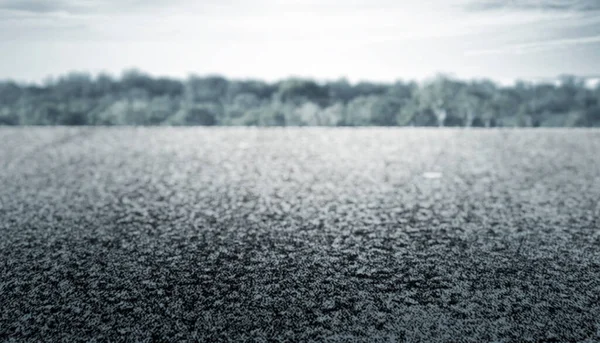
292, 235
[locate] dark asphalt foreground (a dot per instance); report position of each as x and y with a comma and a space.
293, 235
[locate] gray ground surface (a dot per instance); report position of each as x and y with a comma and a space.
166, 234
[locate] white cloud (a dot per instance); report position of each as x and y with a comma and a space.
379, 39
545, 5
531, 47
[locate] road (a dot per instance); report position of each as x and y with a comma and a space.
331, 235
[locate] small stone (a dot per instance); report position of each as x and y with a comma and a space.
329, 305
432, 175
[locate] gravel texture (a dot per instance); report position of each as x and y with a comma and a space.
293, 235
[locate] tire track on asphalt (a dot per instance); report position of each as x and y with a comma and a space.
9, 167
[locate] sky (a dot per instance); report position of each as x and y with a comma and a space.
377, 40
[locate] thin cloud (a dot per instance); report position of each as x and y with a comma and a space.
550, 5
525, 48
41, 6
85, 6
322, 38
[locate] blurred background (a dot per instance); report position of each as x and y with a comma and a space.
295, 63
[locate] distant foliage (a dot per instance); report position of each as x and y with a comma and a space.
140, 99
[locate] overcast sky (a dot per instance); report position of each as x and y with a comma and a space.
379, 40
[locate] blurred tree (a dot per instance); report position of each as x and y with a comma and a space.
201, 115
309, 114
136, 98
437, 95
359, 111
10, 93
241, 104
474, 102
298, 91
261, 90
7, 116
341, 91
407, 114
272, 116
206, 89
369, 88
384, 111
333, 115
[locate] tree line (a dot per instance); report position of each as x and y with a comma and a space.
136, 98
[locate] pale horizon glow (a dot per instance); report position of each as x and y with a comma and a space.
376, 40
